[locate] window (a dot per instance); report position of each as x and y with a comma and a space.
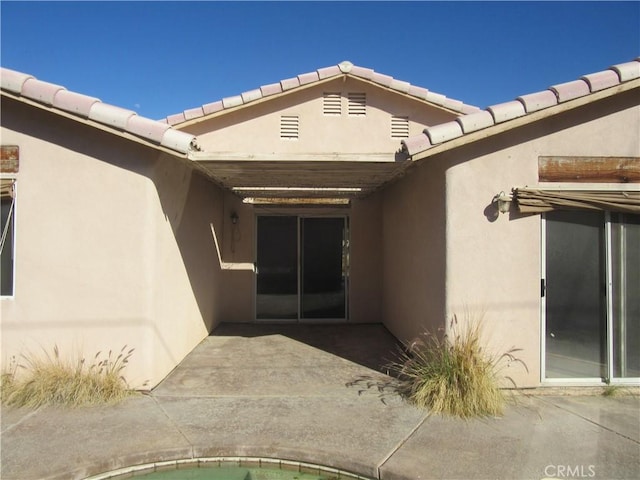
7, 194
289, 127
357, 104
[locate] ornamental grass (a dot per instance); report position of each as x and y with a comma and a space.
452, 374
49, 379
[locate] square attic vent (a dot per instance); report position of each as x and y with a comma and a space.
357, 104
332, 103
399, 127
289, 127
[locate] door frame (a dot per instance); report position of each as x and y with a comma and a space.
299, 216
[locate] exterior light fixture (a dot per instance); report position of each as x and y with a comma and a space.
234, 218
503, 202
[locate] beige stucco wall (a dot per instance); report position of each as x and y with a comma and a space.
238, 252
414, 252
487, 265
255, 128
113, 247
494, 266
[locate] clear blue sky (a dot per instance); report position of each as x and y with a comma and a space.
160, 58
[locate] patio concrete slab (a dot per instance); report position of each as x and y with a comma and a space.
349, 433
75, 443
534, 440
314, 394
623, 419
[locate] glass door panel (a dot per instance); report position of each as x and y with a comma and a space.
323, 263
575, 295
277, 268
625, 260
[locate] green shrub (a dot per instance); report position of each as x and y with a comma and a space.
452, 374
52, 380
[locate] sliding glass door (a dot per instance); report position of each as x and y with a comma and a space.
302, 265
591, 301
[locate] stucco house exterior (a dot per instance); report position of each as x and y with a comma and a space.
340, 195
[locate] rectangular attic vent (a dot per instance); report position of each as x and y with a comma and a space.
332, 103
289, 127
399, 127
357, 104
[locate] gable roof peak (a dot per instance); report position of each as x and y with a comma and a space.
320, 75
346, 66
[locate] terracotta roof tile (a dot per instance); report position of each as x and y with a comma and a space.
328, 72
111, 115
476, 120
362, 72
601, 80
251, 95
436, 98
416, 143
289, 83
453, 104
210, 108
231, 102
179, 141
443, 132
419, 92
271, 89
12, 80
627, 71
308, 78
193, 113
176, 118
506, 111
22, 85
40, 91
539, 100
401, 86
382, 79
570, 90
344, 68
147, 128
74, 102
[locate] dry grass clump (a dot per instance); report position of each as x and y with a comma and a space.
51, 380
453, 374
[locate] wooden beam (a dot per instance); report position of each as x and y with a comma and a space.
589, 169
9, 159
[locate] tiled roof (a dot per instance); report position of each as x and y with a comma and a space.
344, 68
90, 108
523, 105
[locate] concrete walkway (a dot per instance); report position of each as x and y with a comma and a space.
312, 394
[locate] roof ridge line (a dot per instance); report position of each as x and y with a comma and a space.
343, 68
522, 106
92, 108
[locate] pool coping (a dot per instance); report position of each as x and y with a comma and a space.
226, 461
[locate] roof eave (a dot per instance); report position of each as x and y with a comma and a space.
92, 123
243, 106
524, 120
